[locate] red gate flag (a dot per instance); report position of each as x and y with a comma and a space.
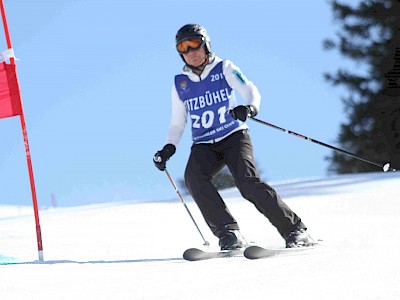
11, 105
10, 99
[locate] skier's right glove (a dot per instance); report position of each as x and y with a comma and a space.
241, 112
161, 157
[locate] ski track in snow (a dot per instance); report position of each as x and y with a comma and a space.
134, 250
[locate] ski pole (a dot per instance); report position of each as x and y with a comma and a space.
206, 243
386, 167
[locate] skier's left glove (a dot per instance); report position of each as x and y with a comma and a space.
161, 157
241, 112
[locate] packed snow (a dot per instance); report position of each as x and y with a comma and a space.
134, 250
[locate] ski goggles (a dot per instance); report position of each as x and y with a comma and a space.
190, 43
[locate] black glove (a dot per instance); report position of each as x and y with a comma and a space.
161, 157
241, 112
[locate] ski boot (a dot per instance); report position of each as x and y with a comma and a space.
298, 238
231, 240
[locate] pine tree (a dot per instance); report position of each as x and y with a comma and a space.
369, 36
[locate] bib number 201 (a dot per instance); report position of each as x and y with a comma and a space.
206, 120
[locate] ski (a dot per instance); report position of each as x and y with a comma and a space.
257, 252
195, 254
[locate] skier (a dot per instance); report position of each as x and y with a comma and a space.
204, 91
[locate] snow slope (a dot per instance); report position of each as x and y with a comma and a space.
133, 250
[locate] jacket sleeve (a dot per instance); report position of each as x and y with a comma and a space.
178, 119
238, 81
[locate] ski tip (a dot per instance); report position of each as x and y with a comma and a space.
256, 252
192, 254
253, 252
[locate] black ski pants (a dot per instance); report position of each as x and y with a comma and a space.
235, 151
